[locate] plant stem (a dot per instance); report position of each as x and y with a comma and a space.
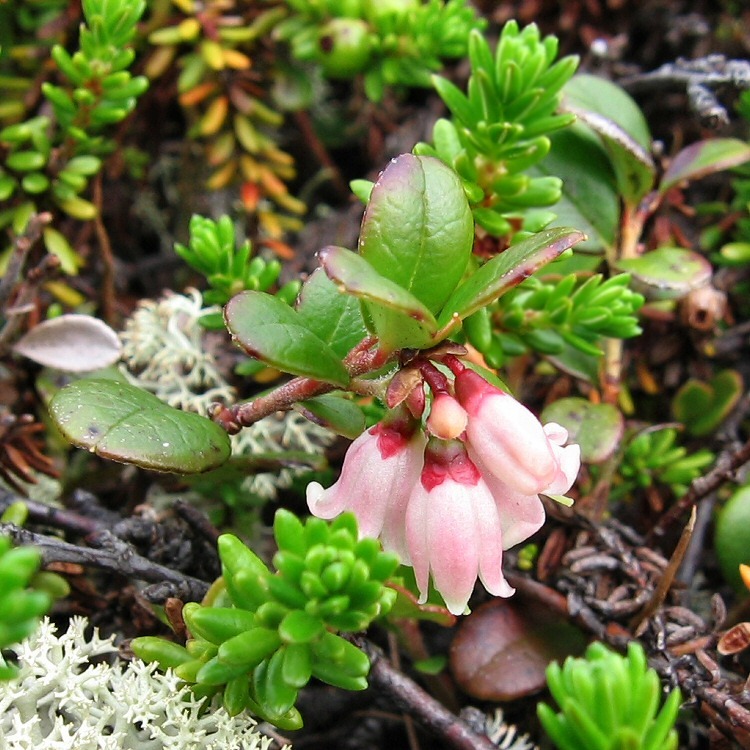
362, 359
107, 256
433, 716
114, 555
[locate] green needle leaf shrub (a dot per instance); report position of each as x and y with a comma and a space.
609, 702
228, 270
50, 159
653, 456
389, 42
500, 128
550, 316
267, 634
20, 606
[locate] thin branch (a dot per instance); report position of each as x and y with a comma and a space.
108, 294
699, 79
22, 244
46, 268
114, 555
702, 487
667, 577
365, 357
433, 716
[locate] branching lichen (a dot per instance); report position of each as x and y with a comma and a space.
164, 352
64, 696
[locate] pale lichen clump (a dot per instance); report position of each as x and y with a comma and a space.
163, 351
289, 432
66, 696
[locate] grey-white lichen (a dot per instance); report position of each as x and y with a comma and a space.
503, 735
66, 696
277, 434
506, 736
163, 351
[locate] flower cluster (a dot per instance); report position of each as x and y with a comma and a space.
448, 494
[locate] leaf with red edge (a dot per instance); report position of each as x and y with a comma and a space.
506, 270
271, 331
704, 158
418, 229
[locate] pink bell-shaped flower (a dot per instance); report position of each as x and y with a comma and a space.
380, 470
453, 530
507, 438
520, 514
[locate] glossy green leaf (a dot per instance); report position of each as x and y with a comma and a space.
269, 330
339, 414
589, 201
732, 537
417, 229
334, 317
121, 422
597, 428
400, 320
507, 270
613, 114
297, 668
168, 654
217, 624
274, 695
667, 273
249, 647
704, 158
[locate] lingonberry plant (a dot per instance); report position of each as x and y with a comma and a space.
377, 322
471, 344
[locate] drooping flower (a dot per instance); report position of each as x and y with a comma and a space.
380, 469
453, 529
451, 506
508, 439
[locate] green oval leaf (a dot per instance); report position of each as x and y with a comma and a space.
702, 407
417, 229
667, 273
335, 412
269, 330
614, 115
597, 428
732, 540
124, 423
590, 201
507, 270
703, 158
334, 317
399, 318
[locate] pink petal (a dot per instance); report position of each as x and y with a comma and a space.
452, 533
569, 459
417, 538
374, 488
507, 437
490, 538
555, 433
520, 515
